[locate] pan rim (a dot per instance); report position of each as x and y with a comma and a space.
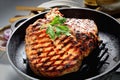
113, 68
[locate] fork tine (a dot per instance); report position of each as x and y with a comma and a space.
105, 51
103, 61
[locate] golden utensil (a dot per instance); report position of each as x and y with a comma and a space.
30, 8
13, 19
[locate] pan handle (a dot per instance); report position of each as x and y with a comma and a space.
16, 23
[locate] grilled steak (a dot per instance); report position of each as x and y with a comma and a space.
53, 58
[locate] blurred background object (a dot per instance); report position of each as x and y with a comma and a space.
90, 3
105, 2
109, 6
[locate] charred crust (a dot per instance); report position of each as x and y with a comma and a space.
60, 56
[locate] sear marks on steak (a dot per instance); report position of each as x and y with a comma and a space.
53, 58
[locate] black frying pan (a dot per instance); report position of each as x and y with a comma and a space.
99, 65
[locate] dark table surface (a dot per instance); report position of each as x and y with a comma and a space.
8, 10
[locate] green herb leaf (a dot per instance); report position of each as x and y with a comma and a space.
58, 31
51, 32
67, 33
58, 20
63, 28
57, 27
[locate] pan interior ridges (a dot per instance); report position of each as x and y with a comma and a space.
100, 60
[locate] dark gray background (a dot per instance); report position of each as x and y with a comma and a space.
8, 9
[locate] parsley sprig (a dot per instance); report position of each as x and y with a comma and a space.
57, 27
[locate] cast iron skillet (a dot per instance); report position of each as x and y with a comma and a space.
99, 65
